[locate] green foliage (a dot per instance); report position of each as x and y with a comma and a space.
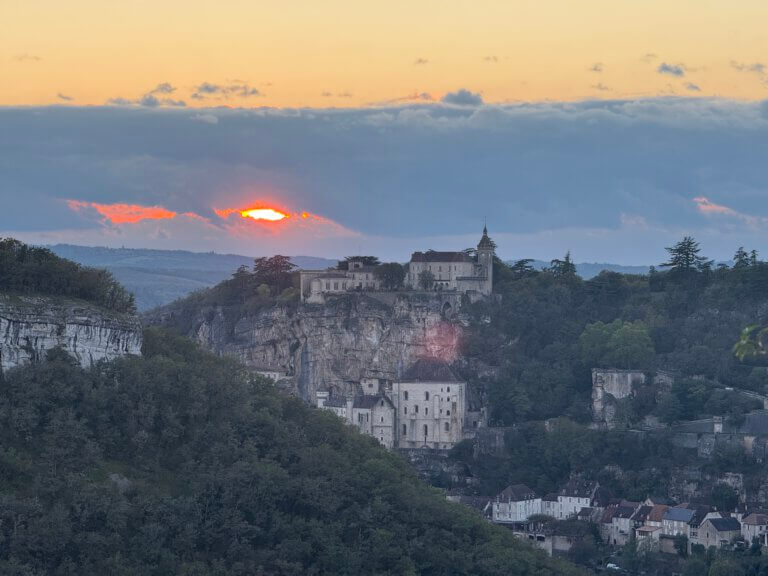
366, 261
618, 344
180, 463
724, 498
426, 280
391, 275
33, 270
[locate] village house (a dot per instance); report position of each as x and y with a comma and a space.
718, 532
755, 525
515, 503
429, 403
575, 495
675, 521
375, 416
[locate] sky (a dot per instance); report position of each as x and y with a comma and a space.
609, 128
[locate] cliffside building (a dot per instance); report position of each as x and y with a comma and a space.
457, 271
429, 405
452, 271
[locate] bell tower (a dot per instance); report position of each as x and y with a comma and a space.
485, 252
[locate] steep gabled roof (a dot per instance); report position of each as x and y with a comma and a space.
429, 370
579, 488
679, 515
433, 256
641, 514
517, 493
369, 402
485, 241
725, 524
657, 513
335, 402
756, 519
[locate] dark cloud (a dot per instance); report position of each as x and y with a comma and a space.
239, 90
755, 67
426, 170
64, 97
671, 69
163, 88
27, 58
120, 101
691, 87
596, 67
463, 97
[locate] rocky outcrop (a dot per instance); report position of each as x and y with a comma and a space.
31, 325
334, 345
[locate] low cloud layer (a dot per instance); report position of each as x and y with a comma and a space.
611, 180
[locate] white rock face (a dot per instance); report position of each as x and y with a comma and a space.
334, 345
31, 325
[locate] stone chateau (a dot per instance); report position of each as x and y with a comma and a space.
426, 408
450, 271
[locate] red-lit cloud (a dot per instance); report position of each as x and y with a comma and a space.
706, 206
124, 213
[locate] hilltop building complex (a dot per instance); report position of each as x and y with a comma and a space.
430, 270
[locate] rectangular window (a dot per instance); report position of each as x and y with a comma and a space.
405, 394
447, 426
416, 408
426, 395
335, 285
448, 389
404, 430
405, 409
327, 285
426, 411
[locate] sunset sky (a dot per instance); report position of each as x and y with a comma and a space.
608, 127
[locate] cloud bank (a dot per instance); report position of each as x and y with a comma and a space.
611, 180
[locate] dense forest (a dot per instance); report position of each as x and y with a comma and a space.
33, 270
178, 462
550, 328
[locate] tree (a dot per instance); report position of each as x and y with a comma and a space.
564, 268
618, 344
390, 274
751, 343
681, 545
365, 260
275, 272
426, 280
724, 497
741, 259
684, 257
522, 269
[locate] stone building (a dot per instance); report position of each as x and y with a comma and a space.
429, 403
455, 271
314, 284
755, 525
718, 532
372, 415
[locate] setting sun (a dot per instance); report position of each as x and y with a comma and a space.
269, 214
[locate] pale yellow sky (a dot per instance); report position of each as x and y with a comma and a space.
295, 51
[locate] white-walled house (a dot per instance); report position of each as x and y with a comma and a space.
515, 503
575, 495
429, 403
676, 522
755, 525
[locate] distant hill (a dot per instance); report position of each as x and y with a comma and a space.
158, 277
589, 270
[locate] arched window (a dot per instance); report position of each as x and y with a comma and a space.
426, 395
405, 394
405, 430
405, 409
426, 431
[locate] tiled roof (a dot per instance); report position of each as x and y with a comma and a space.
517, 493
623, 512
551, 497
641, 515
657, 513
336, 402
368, 402
433, 256
679, 515
429, 370
608, 513
756, 519
725, 524
579, 488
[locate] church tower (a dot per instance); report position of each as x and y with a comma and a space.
485, 251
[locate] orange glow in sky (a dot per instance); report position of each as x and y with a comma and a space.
124, 213
268, 214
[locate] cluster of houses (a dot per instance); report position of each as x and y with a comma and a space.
450, 271
654, 524
425, 408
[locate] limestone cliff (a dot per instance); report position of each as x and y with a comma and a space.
332, 346
31, 325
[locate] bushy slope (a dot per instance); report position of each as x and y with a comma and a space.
177, 463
